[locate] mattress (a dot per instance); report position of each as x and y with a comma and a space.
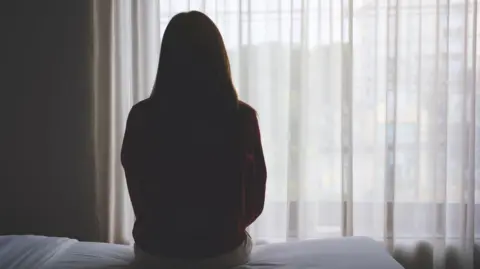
39, 252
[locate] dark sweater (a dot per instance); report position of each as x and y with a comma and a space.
193, 194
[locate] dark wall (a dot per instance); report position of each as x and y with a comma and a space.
46, 169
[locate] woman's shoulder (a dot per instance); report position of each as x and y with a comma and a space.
138, 112
246, 109
142, 105
248, 116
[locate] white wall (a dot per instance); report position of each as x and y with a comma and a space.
46, 182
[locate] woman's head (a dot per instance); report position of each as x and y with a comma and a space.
193, 66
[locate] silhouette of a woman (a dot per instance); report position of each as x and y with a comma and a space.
192, 155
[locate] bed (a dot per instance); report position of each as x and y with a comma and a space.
39, 252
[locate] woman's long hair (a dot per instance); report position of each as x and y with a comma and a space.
198, 108
194, 71
194, 94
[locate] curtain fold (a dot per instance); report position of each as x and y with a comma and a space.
368, 112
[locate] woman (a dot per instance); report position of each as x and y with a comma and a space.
192, 155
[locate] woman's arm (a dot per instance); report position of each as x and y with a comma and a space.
256, 181
130, 155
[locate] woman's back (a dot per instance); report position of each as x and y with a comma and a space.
192, 153
186, 177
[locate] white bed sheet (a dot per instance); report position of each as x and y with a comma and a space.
38, 252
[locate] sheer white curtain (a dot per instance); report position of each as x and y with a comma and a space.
367, 108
